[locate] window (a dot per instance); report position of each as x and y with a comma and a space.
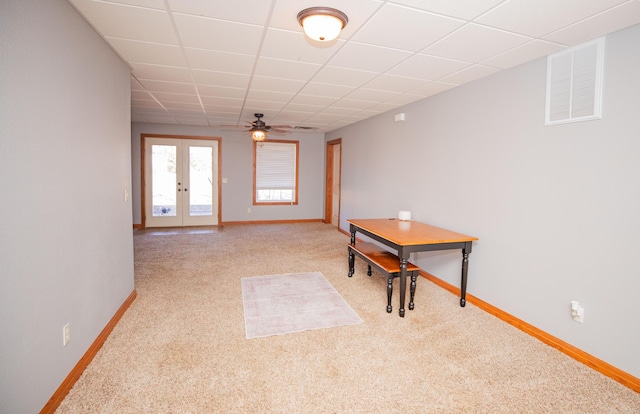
574, 84
275, 172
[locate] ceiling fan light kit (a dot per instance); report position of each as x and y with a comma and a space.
322, 23
259, 135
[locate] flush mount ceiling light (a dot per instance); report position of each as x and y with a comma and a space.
322, 23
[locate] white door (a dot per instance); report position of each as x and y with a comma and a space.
181, 182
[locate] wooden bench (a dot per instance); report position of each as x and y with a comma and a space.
386, 263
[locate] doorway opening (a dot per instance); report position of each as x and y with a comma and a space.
332, 189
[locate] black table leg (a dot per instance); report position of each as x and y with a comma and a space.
465, 267
352, 257
412, 289
389, 292
351, 254
403, 284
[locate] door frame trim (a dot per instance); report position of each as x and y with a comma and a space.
143, 137
328, 197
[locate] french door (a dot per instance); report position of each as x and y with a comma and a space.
181, 182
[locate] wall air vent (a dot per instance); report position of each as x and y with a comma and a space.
574, 83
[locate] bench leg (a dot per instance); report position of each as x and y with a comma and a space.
412, 289
368, 270
351, 262
389, 292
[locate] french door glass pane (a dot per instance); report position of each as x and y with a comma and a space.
163, 180
200, 181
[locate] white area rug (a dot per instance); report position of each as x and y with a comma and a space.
292, 302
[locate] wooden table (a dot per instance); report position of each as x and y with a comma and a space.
411, 236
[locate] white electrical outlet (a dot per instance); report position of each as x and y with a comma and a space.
249, 210
66, 334
577, 311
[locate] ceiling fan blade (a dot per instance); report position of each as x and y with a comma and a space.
282, 126
243, 127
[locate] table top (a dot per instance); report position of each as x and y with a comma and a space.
407, 233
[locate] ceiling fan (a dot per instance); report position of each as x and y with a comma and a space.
259, 128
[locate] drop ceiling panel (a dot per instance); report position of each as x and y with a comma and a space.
540, 17
406, 29
216, 100
326, 90
165, 97
371, 95
353, 104
264, 83
157, 110
161, 73
428, 67
244, 11
170, 87
368, 57
292, 70
223, 79
405, 99
295, 46
220, 92
148, 52
525, 53
219, 61
221, 35
394, 83
183, 107
308, 109
463, 9
432, 88
321, 101
470, 74
611, 20
227, 110
128, 22
258, 95
475, 43
344, 77
253, 106
153, 4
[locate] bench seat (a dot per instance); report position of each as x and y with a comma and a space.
386, 263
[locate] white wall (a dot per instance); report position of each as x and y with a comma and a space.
66, 251
237, 168
556, 209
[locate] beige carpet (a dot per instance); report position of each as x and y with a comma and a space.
293, 302
181, 346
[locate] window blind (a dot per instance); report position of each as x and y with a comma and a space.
276, 165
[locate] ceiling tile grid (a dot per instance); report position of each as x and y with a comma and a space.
218, 62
